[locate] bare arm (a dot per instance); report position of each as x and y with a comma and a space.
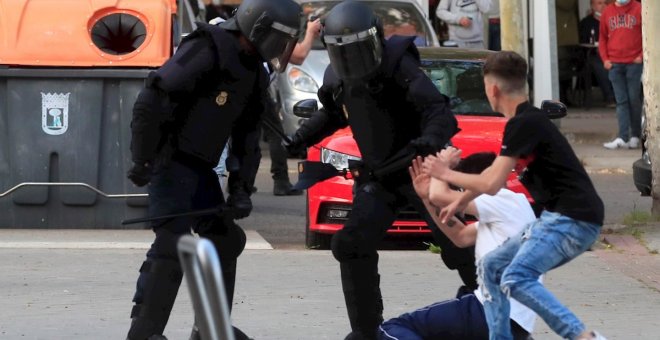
440, 195
302, 48
461, 235
490, 181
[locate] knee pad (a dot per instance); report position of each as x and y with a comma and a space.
165, 244
229, 242
350, 245
157, 289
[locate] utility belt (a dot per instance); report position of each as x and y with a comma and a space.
360, 172
392, 172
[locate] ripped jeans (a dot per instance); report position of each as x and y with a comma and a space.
514, 268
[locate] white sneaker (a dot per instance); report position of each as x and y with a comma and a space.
616, 144
597, 336
633, 143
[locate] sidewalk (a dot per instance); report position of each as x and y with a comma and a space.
55, 294
633, 251
587, 131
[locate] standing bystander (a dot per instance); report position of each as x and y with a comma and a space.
465, 21
620, 47
589, 29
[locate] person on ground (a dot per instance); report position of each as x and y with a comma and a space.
572, 213
498, 217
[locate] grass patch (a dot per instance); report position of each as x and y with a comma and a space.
637, 217
435, 249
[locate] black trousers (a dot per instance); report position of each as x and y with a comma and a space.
279, 168
375, 206
177, 187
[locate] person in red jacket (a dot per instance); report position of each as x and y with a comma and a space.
620, 48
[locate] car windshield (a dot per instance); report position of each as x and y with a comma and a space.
462, 82
398, 18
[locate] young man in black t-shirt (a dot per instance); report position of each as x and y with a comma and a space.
572, 210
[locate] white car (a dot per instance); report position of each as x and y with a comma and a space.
298, 82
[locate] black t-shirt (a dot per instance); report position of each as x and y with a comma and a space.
554, 176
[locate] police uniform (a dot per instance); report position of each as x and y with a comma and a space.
208, 91
399, 111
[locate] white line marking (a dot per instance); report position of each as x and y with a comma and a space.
254, 242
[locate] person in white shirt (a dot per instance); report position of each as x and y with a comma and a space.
499, 217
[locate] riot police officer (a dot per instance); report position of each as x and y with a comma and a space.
376, 87
212, 88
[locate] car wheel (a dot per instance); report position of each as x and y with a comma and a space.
314, 240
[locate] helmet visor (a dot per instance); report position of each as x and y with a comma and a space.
354, 56
277, 45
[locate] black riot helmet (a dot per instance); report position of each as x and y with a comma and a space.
272, 26
353, 35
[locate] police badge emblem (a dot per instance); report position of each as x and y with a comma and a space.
221, 99
54, 113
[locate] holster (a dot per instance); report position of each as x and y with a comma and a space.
360, 172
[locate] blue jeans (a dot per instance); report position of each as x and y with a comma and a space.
626, 81
452, 319
513, 270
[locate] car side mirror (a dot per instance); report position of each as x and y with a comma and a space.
554, 109
305, 108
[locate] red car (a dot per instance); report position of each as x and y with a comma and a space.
458, 74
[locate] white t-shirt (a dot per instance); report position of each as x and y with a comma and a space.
500, 217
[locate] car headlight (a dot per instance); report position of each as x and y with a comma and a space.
301, 81
337, 159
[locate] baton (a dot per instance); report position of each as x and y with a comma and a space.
194, 213
277, 131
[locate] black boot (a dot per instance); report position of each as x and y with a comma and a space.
284, 188
364, 303
159, 281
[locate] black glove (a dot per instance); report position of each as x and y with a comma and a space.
240, 203
295, 145
424, 146
140, 174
